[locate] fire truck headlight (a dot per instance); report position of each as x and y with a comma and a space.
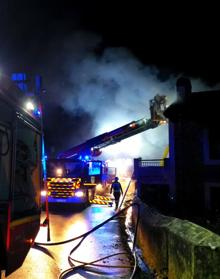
59, 172
79, 194
43, 193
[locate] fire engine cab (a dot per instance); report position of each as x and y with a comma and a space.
20, 173
71, 181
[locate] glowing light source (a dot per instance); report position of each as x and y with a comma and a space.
30, 241
163, 122
79, 194
59, 171
124, 166
43, 193
132, 125
29, 106
37, 112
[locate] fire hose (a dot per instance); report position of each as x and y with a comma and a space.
84, 265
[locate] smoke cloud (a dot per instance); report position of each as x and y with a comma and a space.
95, 91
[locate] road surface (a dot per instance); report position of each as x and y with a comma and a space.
50, 261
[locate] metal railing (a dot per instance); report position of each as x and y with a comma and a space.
151, 163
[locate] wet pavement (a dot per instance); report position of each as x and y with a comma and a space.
50, 261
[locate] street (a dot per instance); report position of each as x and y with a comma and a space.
50, 261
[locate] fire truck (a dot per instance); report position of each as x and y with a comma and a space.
20, 172
72, 181
72, 176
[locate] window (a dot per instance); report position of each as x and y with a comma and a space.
211, 146
27, 171
214, 144
212, 196
95, 168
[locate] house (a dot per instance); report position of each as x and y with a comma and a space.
189, 180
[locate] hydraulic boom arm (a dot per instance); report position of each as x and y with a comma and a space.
93, 146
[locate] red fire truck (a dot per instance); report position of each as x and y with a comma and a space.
20, 173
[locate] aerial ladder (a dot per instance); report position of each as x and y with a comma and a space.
92, 147
72, 178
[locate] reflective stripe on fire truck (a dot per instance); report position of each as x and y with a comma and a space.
100, 202
102, 198
24, 220
63, 180
89, 184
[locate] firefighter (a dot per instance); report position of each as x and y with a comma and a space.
117, 191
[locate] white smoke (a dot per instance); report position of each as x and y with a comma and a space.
115, 89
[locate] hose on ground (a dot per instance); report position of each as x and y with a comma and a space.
88, 232
84, 265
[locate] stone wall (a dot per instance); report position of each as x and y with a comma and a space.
175, 248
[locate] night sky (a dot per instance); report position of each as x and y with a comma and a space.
98, 59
